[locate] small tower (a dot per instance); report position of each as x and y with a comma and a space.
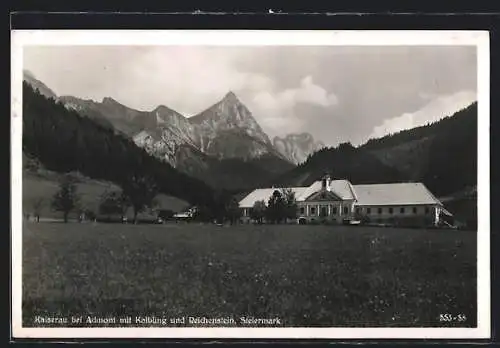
325, 182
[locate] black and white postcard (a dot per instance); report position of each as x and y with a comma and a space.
250, 184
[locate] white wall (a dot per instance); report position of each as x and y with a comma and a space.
432, 211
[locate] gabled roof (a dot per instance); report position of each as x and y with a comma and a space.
394, 194
339, 187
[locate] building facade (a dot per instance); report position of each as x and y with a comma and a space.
339, 201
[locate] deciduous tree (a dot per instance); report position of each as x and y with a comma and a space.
290, 211
275, 211
232, 210
114, 203
37, 208
66, 199
258, 211
140, 190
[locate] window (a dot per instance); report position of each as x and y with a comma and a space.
346, 210
334, 210
313, 210
380, 210
390, 210
358, 210
302, 210
402, 210
369, 210
427, 210
414, 210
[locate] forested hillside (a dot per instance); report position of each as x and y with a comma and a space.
442, 155
342, 162
64, 141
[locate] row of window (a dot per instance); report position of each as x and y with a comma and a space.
324, 210
402, 210
345, 210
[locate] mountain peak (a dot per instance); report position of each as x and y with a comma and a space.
28, 73
296, 147
231, 96
162, 108
109, 100
228, 114
164, 112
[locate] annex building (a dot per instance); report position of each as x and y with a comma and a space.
340, 201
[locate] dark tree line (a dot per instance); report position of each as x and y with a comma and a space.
64, 141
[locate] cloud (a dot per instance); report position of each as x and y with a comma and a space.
279, 106
307, 92
435, 110
287, 88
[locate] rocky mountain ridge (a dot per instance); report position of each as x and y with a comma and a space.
297, 147
226, 130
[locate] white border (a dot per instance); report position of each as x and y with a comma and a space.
21, 38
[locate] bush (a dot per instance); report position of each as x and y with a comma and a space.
90, 215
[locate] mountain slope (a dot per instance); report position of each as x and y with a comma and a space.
223, 145
63, 141
168, 137
227, 129
197, 146
297, 147
442, 154
126, 120
227, 114
38, 85
40, 185
342, 162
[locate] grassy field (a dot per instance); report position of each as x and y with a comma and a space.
36, 186
305, 275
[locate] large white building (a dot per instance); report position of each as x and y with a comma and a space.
340, 201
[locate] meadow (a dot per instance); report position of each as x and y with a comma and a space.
314, 276
45, 184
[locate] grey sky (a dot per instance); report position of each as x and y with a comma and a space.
336, 93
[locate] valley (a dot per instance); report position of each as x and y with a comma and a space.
224, 148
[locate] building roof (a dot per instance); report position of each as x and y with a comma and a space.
261, 195
394, 194
371, 194
341, 188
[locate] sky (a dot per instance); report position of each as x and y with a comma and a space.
336, 93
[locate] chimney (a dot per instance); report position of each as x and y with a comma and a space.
325, 183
